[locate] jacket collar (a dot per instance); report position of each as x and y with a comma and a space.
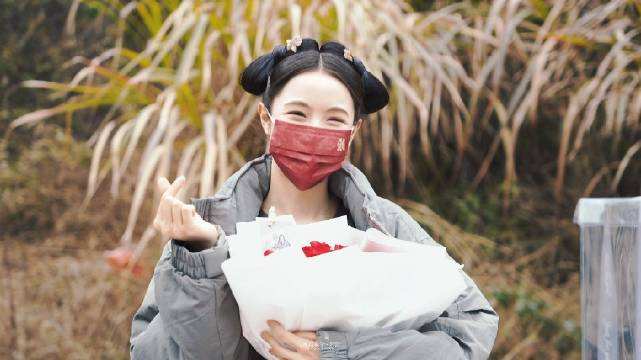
242, 195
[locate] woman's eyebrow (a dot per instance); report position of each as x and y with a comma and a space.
338, 108
298, 102
304, 104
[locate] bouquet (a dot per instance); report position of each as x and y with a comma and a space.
330, 275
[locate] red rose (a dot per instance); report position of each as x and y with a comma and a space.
317, 248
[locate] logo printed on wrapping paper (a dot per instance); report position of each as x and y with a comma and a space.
280, 241
341, 145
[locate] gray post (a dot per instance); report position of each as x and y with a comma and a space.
610, 277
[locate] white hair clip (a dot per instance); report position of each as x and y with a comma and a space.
347, 54
293, 43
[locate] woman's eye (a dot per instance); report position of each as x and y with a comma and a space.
299, 113
336, 120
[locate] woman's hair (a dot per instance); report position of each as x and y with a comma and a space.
269, 73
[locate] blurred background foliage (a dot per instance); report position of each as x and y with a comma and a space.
502, 115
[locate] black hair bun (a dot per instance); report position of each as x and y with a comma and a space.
254, 78
375, 95
256, 75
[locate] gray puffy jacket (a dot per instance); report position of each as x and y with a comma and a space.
189, 311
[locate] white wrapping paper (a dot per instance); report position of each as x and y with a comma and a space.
375, 281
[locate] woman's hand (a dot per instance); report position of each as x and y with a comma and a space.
297, 345
177, 220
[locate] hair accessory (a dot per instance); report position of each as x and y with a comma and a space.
347, 54
294, 42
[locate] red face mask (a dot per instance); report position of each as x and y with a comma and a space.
307, 154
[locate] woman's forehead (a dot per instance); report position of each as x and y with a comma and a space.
316, 90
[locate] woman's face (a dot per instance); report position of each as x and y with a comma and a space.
312, 98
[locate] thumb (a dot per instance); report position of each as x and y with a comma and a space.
175, 187
162, 183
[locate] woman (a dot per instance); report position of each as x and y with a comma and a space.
313, 100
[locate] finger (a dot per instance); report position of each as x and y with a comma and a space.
287, 338
176, 185
187, 213
176, 209
267, 336
306, 334
162, 183
279, 350
165, 210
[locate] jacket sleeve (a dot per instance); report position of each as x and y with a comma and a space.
465, 330
189, 311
